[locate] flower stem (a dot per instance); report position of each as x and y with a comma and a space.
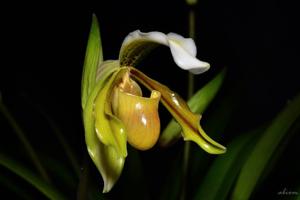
186, 149
191, 35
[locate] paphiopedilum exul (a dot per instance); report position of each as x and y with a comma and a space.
114, 109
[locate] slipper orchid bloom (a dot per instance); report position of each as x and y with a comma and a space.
115, 111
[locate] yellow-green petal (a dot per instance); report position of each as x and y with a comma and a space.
110, 130
198, 104
107, 162
189, 121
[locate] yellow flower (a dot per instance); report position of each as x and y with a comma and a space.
115, 111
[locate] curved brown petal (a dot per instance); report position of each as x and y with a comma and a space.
178, 108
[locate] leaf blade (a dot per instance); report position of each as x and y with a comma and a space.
30, 177
262, 152
225, 168
32, 154
93, 58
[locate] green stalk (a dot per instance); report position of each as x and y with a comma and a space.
58, 133
61, 139
22, 137
8, 183
186, 149
82, 190
30, 177
191, 81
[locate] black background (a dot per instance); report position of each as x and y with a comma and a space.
44, 47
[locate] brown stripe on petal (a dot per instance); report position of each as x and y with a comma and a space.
181, 112
134, 52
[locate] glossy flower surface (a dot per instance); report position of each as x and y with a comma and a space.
115, 111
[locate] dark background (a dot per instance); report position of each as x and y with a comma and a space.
44, 48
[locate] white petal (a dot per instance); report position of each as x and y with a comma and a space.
185, 60
187, 43
137, 44
155, 36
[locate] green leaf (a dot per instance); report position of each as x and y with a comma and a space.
60, 172
70, 155
67, 149
224, 170
216, 123
198, 103
30, 177
7, 182
173, 181
298, 193
264, 149
280, 150
93, 58
25, 142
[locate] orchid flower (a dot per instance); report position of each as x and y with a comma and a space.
114, 109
